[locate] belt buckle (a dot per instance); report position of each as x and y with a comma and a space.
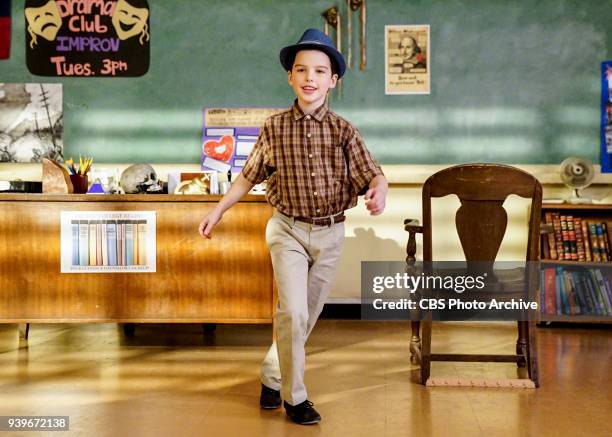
326, 221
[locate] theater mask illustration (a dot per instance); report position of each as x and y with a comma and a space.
130, 21
44, 21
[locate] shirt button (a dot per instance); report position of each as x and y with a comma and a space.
318, 210
308, 135
315, 193
310, 155
312, 174
308, 117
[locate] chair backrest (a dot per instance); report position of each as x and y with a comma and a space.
481, 219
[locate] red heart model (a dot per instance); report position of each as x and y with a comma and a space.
221, 150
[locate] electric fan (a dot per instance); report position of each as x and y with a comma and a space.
577, 174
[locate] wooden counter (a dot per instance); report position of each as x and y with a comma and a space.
227, 279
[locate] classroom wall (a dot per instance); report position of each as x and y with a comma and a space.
512, 81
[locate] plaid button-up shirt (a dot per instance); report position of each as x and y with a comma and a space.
315, 164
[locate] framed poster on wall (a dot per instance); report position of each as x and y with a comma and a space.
606, 117
108, 38
407, 59
31, 122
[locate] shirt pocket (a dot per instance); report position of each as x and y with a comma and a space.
337, 173
269, 163
335, 162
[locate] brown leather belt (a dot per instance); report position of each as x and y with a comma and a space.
323, 221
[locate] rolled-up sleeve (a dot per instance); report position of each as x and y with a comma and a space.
254, 169
362, 166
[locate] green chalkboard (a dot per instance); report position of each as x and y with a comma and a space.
511, 81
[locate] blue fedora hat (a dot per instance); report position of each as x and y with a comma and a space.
313, 39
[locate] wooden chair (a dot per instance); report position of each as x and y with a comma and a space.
481, 224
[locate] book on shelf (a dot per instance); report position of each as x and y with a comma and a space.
558, 236
594, 242
604, 234
607, 231
550, 299
605, 300
545, 249
579, 239
549, 241
567, 249
571, 233
585, 239
576, 291
562, 302
573, 238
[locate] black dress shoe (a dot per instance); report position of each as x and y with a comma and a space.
269, 399
303, 413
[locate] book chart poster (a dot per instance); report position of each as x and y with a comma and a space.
105, 242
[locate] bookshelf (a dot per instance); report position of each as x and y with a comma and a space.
576, 263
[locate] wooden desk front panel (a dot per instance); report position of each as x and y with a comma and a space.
226, 279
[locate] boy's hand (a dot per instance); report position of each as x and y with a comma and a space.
239, 188
375, 197
207, 224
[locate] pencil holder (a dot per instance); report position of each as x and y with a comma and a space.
79, 183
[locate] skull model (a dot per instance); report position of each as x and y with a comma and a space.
140, 178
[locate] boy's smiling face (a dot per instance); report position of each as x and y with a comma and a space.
311, 77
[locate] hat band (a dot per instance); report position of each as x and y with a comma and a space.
313, 42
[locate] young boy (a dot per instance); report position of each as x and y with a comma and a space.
316, 164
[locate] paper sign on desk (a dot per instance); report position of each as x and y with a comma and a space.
229, 134
106, 242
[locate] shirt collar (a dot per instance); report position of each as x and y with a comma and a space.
318, 114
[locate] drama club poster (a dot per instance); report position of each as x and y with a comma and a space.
87, 38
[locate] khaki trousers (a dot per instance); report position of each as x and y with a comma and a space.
304, 258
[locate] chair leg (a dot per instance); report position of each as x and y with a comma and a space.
415, 343
521, 343
532, 350
425, 351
